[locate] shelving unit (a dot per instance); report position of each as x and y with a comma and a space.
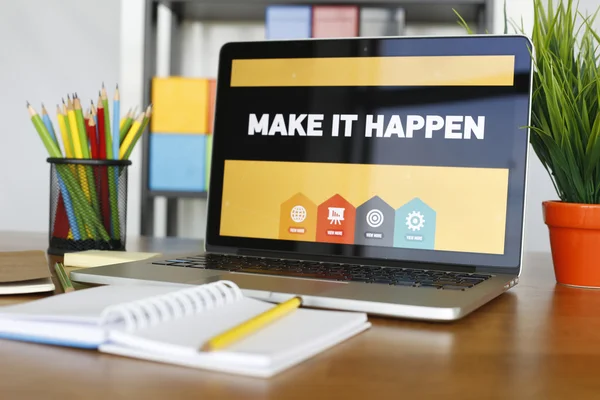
478, 13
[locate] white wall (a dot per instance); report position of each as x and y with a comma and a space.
130, 61
49, 48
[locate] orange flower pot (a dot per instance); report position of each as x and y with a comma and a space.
575, 242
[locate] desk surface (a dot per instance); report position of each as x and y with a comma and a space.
539, 340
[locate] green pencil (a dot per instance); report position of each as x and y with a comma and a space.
85, 149
139, 133
50, 144
127, 122
65, 282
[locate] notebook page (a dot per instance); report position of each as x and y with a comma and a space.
298, 330
257, 366
185, 335
81, 306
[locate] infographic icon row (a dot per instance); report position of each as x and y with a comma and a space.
373, 222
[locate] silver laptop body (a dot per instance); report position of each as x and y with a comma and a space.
418, 215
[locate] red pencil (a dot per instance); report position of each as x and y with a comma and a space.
91, 131
104, 194
61, 221
101, 131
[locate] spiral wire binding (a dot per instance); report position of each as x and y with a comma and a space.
155, 310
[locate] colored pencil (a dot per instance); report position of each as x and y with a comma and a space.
107, 134
62, 126
75, 137
111, 177
87, 202
116, 121
66, 198
131, 135
116, 139
42, 131
48, 123
63, 278
124, 119
81, 128
104, 192
97, 171
126, 124
126, 149
94, 113
64, 207
52, 148
78, 147
91, 131
101, 129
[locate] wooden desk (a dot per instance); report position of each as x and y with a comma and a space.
538, 341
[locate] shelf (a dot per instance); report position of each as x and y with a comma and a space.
416, 11
177, 195
478, 13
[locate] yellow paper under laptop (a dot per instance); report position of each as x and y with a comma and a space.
98, 258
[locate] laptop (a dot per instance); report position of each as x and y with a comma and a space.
383, 175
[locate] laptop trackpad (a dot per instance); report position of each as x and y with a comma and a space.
280, 285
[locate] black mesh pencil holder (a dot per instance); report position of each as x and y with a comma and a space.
88, 204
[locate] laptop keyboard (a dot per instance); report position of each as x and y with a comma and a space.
332, 271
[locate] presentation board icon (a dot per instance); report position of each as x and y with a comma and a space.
374, 223
298, 219
335, 221
415, 225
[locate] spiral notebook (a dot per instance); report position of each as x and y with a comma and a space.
168, 324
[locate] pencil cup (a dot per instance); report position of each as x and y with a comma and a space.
88, 205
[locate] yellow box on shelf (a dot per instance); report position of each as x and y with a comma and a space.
180, 105
207, 160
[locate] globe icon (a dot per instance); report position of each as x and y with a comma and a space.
298, 214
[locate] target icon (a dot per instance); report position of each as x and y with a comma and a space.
375, 218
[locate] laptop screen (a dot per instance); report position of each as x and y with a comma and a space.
410, 149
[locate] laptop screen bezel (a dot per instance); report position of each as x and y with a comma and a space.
214, 242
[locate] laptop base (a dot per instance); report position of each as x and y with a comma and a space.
423, 303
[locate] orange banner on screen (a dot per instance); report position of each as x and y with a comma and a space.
375, 71
440, 208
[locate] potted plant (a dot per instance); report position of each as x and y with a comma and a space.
565, 135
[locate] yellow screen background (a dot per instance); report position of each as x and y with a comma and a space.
470, 203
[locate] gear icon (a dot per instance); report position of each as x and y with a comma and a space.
415, 221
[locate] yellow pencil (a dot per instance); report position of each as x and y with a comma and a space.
77, 148
131, 135
74, 130
64, 133
124, 119
252, 325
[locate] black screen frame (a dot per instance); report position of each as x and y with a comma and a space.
518, 45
